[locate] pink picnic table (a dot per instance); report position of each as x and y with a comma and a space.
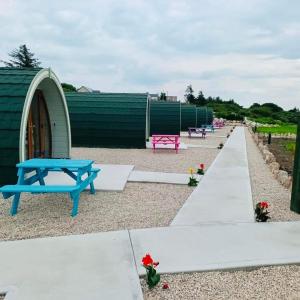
166, 139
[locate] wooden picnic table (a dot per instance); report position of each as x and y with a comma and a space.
166, 139
35, 170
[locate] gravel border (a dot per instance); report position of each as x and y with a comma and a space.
279, 282
265, 187
140, 205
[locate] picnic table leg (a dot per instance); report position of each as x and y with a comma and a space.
92, 188
75, 198
153, 145
15, 203
40, 176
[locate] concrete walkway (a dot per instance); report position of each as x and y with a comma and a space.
92, 266
160, 177
219, 246
224, 193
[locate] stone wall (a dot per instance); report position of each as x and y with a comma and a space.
282, 176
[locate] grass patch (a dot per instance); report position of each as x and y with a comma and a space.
291, 147
278, 129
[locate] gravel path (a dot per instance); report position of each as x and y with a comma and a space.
145, 160
138, 206
266, 188
280, 282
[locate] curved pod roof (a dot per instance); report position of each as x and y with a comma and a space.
18, 89
112, 120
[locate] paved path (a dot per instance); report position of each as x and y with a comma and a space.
92, 266
219, 246
224, 193
110, 178
160, 177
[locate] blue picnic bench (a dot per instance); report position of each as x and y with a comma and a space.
35, 170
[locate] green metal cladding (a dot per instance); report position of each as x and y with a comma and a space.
188, 116
204, 116
14, 84
165, 117
210, 116
111, 120
295, 201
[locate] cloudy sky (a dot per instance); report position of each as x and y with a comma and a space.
248, 50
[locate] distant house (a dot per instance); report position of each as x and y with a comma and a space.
84, 89
171, 98
155, 97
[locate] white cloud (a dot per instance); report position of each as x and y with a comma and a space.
245, 50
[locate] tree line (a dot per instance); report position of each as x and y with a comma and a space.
267, 112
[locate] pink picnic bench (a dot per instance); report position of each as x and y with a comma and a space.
165, 139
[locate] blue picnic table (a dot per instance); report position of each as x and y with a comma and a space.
35, 170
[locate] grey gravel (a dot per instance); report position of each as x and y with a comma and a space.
266, 188
140, 205
280, 282
145, 160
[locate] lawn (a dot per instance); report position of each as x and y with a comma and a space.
278, 129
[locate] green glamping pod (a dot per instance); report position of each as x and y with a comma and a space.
34, 119
295, 201
188, 116
204, 116
165, 117
110, 120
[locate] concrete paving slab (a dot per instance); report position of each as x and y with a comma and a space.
201, 146
182, 146
159, 177
110, 178
224, 194
219, 246
91, 266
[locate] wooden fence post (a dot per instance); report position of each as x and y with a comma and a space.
295, 200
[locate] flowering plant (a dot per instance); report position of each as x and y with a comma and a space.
261, 211
221, 145
193, 181
152, 277
201, 169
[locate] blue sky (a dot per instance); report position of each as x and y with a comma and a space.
245, 50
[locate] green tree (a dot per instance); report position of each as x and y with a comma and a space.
163, 96
22, 58
201, 100
189, 95
68, 87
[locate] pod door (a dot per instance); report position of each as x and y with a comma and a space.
38, 129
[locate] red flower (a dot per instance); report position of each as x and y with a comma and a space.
264, 204
202, 166
155, 264
147, 260
165, 286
